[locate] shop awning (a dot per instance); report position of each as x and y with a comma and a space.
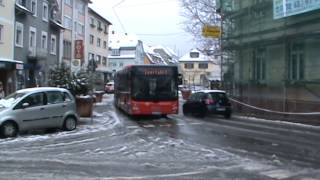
5, 63
213, 78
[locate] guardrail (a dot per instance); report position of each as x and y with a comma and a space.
272, 111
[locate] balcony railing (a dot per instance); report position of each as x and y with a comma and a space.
34, 53
42, 53
22, 9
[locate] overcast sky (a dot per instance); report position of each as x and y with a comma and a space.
155, 22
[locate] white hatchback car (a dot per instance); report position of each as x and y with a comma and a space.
37, 108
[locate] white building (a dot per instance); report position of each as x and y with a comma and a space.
124, 50
98, 46
199, 69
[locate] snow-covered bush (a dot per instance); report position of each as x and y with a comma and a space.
76, 83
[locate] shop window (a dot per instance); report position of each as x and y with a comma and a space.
259, 64
203, 65
296, 62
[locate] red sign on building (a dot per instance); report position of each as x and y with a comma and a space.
79, 49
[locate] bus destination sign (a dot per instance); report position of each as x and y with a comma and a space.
155, 72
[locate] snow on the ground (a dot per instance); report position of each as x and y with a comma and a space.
100, 122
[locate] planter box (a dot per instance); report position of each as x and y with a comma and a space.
98, 95
84, 106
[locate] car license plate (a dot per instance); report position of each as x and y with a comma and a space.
156, 113
221, 109
156, 110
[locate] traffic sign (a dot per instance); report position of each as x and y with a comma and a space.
211, 31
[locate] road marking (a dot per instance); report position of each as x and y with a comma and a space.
278, 174
165, 125
148, 126
195, 123
174, 175
132, 127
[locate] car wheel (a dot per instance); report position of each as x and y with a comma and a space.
201, 113
185, 111
70, 123
227, 115
9, 129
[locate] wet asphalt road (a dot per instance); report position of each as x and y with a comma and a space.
115, 146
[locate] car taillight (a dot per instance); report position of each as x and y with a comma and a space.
209, 101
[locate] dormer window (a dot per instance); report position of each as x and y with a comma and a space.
194, 54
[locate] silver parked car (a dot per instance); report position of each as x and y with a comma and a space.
37, 108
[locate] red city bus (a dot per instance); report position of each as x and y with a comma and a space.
147, 90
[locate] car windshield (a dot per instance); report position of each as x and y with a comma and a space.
11, 99
155, 87
218, 96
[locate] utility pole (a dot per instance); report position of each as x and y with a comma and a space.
221, 49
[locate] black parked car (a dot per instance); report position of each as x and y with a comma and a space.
205, 102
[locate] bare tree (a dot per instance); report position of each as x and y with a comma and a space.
200, 13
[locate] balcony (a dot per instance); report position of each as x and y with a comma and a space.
34, 53
21, 9
41, 53
56, 24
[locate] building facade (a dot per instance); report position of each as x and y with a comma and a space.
98, 46
124, 50
198, 69
275, 53
9, 67
73, 43
36, 41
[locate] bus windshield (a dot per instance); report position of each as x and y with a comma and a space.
154, 84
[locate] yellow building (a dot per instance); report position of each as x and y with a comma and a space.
199, 69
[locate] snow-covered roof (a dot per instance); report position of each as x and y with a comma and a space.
187, 57
116, 41
167, 55
167, 50
129, 56
155, 58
